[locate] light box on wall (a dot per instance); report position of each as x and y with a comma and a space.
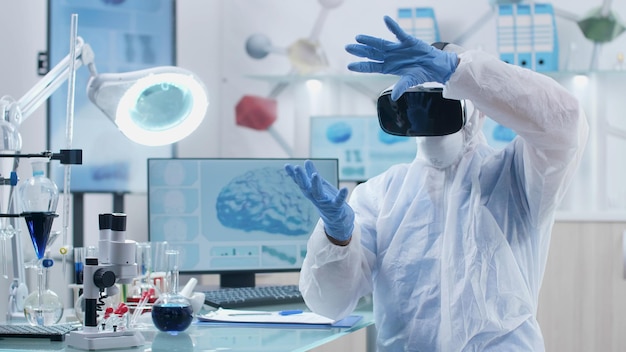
362, 148
126, 36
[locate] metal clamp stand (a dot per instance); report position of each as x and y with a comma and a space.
18, 291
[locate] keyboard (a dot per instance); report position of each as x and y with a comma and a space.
53, 332
240, 297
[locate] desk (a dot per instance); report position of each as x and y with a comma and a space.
201, 337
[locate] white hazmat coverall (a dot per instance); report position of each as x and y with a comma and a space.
454, 257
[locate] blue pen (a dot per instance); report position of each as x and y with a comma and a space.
290, 312
282, 312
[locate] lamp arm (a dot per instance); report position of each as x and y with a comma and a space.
41, 91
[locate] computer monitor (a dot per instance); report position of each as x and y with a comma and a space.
232, 216
361, 146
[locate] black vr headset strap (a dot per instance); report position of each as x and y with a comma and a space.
439, 45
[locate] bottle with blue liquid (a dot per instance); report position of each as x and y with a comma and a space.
172, 312
39, 197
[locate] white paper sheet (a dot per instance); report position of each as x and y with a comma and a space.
253, 316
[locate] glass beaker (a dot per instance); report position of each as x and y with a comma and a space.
159, 266
144, 284
172, 312
143, 294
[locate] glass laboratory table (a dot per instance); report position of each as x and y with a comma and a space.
207, 337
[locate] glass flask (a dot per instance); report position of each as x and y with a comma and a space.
172, 312
43, 306
39, 197
38, 193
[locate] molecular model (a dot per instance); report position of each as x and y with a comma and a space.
306, 56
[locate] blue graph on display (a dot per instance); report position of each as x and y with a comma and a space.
364, 150
361, 146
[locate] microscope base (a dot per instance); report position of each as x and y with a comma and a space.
104, 340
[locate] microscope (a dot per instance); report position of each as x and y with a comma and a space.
115, 264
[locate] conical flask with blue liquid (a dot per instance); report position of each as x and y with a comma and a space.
39, 197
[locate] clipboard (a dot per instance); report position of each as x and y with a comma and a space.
248, 318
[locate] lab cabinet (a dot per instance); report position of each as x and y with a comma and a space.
582, 302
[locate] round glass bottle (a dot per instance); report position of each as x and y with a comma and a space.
43, 306
172, 312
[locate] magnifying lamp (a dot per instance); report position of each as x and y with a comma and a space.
155, 106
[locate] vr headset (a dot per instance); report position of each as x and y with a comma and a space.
420, 111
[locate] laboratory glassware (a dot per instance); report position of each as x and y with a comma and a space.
172, 312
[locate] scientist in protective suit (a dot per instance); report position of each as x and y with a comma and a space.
452, 246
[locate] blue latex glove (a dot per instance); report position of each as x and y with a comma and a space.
331, 203
414, 60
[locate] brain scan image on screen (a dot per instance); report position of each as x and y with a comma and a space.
174, 174
174, 202
232, 214
179, 201
175, 229
266, 200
